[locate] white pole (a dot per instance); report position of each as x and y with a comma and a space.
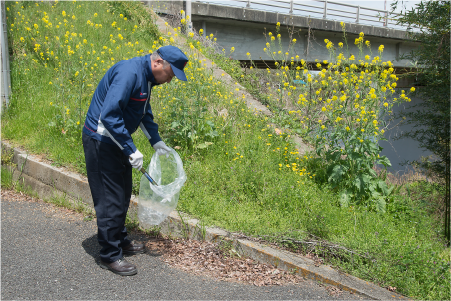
358, 14
189, 23
386, 15
325, 10
5, 55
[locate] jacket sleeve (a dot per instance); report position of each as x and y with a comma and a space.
121, 86
149, 127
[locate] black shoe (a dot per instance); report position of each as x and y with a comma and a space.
132, 249
120, 266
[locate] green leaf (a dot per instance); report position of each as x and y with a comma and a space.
345, 198
383, 187
332, 155
380, 204
372, 172
354, 156
373, 146
336, 172
204, 145
361, 182
385, 161
372, 187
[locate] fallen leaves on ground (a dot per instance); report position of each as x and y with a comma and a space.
210, 259
334, 291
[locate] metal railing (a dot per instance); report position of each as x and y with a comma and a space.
325, 9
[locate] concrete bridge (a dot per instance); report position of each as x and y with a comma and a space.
243, 28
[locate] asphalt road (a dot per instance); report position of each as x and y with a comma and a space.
51, 254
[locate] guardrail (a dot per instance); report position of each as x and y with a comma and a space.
320, 9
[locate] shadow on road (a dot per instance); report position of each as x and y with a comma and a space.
92, 247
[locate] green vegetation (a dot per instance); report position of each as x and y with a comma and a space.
243, 174
431, 118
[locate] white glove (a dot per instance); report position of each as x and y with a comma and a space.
136, 160
161, 148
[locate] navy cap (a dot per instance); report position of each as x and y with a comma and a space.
176, 58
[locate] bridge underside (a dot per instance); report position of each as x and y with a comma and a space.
245, 29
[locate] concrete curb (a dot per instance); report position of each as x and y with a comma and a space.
48, 181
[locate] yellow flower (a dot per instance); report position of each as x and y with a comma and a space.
385, 104
347, 128
412, 89
323, 109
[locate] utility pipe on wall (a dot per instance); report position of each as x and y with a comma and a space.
5, 56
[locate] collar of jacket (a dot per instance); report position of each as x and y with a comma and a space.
148, 70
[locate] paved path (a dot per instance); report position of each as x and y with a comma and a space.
49, 253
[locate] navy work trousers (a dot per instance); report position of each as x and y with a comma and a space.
110, 179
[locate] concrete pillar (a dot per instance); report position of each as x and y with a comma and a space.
204, 27
398, 46
189, 23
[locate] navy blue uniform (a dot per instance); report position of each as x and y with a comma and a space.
119, 106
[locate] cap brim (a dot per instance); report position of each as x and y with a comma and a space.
178, 73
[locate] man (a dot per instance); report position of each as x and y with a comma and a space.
119, 106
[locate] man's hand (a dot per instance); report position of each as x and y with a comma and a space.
136, 160
161, 148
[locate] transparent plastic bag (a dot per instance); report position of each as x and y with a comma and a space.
155, 203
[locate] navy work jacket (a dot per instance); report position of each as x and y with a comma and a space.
120, 105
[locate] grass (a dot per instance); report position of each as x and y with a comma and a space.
242, 174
